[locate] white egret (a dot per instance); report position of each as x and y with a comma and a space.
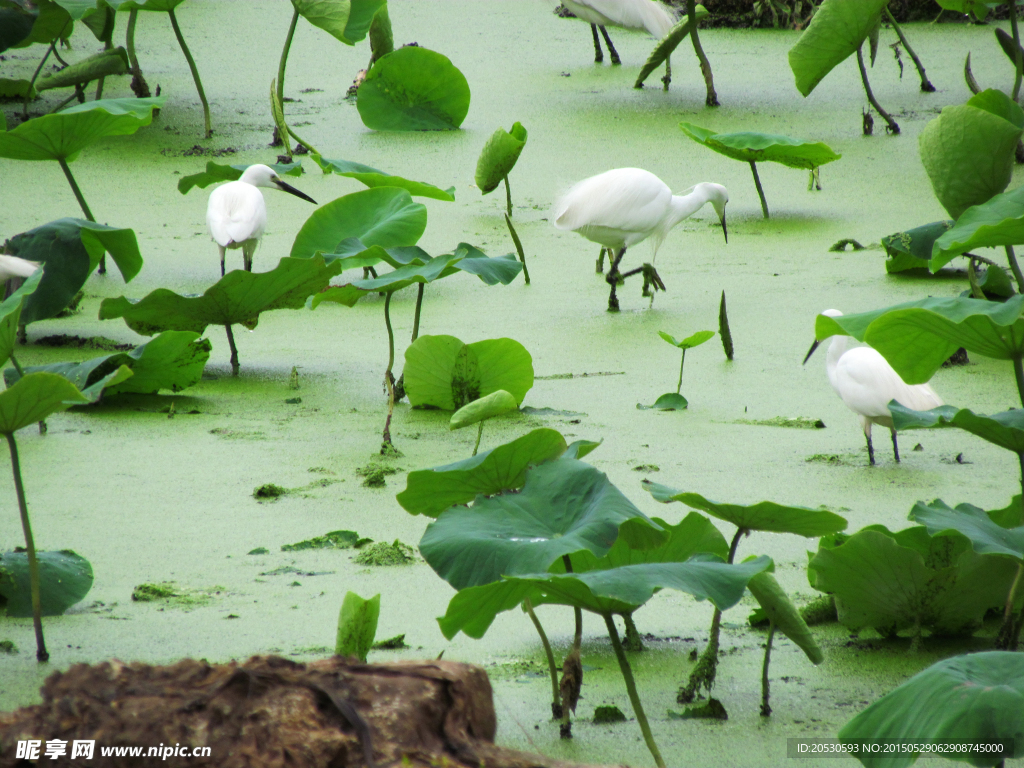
236, 214
867, 383
625, 206
655, 17
14, 266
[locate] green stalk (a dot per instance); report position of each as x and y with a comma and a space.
519, 248
30, 547
479, 434
556, 703
508, 197
577, 640
634, 697
195, 71
679, 386
234, 351
388, 377
766, 710
298, 138
1018, 374
284, 58
893, 127
84, 206
107, 45
760, 192
1015, 268
32, 82
1018, 63
416, 315
926, 85
139, 85
711, 100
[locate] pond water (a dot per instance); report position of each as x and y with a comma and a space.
149, 498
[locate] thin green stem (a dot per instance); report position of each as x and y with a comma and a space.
74, 188
17, 366
556, 701
234, 350
195, 71
765, 708
284, 58
391, 333
508, 196
298, 138
139, 85
1018, 63
711, 100
479, 434
1015, 268
416, 314
1018, 374
679, 386
388, 376
634, 697
926, 85
32, 82
760, 191
577, 639
30, 547
892, 126
519, 247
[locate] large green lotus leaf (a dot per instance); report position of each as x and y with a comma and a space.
669, 43
985, 535
64, 579
34, 398
71, 249
487, 407
472, 610
783, 614
62, 135
357, 626
102, 64
384, 216
237, 298
413, 89
50, 22
499, 156
913, 249
906, 580
1004, 429
217, 172
15, 26
968, 150
978, 697
431, 491
919, 336
10, 314
565, 506
763, 147
763, 516
346, 20
173, 360
371, 177
442, 372
997, 222
837, 30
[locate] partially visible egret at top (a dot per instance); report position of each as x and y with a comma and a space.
867, 383
237, 215
625, 206
655, 17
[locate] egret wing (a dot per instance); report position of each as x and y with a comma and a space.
866, 383
635, 14
236, 213
627, 199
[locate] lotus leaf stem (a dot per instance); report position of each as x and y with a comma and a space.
891, 125
195, 71
139, 85
634, 698
32, 82
556, 702
760, 191
234, 350
705, 66
284, 57
30, 547
1018, 373
679, 386
416, 314
972, 278
479, 434
926, 85
766, 710
298, 138
388, 377
1018, 63
1015, 268
519, 247
84, 206
508, 196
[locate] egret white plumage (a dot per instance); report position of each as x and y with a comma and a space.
625, 206
655, 17
14, 266
237, 215
867, 383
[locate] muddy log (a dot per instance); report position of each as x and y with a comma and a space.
272, 712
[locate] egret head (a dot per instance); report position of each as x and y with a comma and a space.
814, 346
264, 176
718, 196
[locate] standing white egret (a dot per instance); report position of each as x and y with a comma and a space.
655, 17
14, 266
236, 214
867, 383
625, 206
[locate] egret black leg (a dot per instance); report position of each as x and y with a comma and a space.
598, 53
612, 279
651, 279
871, 452
895, 447
222, 252
611, 48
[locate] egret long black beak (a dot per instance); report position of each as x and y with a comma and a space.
293, 191
724, 230
810, 352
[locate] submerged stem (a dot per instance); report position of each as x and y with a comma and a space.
634, 697
388, 377
195, 71
479, 434
760, 192
890, 123
30, 548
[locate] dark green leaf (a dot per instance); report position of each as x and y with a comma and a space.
371, 177
986, 536
64, 579
357, 626
34, 398
992, 224
413, 89
51, 22
1004, 429
499, 157
978, 7
15, 26
783, 614
670, 401
102, 64
216, 172
913, 249
763, 147
10, 315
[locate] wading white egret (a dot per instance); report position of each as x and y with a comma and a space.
236, 214
13, 266
655, 17
625, 206
867, 383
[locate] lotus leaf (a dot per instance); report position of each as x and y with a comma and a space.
978, 7
986, 536
783, 614
49, 22
1004, 429
237, 298
216, 172
371, 177
753, 147
893, 581
346, 20
413, 89
35, 397
384, 216
974, 698
357, 626
443, 372
102, 64
487, 407
16, 25
14, 89
838, 29
968, 150
668, 44
565, 506
670, 401
913, 249
10, 314
997, 222
431, 491
64, 579
689, 342
499, 157
916, 338
62, 135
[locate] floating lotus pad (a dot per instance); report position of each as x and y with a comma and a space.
413, 89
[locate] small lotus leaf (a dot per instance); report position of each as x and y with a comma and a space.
977, 698
64, 579
499, 157
670, 401
357, 626
371, 177
783, 614
1004, 429
669, 43
753, 147
102, 64
986, 536
62, 135
35, 397
995, 223
487, 407
49, 22
217, 172
413, 89
913, 249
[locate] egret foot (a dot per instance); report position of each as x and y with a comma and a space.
598, 53
651, 278
611, 48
